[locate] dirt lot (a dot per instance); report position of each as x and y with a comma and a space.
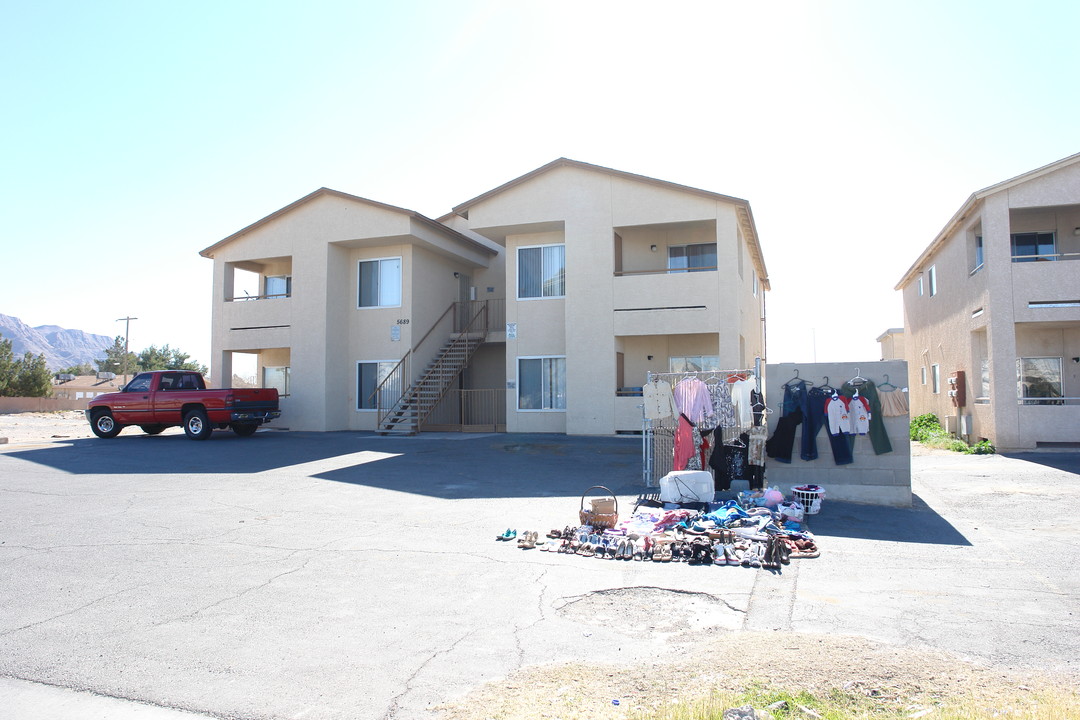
895, 678
38, 426
33, 427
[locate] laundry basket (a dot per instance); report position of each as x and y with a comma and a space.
811, 496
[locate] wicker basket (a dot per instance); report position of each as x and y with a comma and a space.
599, 519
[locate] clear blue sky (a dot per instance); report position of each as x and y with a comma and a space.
136, 134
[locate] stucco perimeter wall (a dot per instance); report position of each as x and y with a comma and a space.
10, 405
874, 479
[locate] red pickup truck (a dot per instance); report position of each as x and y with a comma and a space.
167, 398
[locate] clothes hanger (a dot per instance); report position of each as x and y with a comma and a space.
827, 388
796, 380
887, 383
858, 379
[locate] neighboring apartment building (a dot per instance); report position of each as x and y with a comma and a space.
539, 306
892, 344
996, 297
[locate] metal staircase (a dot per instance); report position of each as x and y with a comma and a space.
423, 395
404, 406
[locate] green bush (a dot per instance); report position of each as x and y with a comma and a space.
926, 427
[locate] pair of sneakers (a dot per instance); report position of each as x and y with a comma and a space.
725, 554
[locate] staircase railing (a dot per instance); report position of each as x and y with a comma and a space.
393, 393
389, 393
462, 344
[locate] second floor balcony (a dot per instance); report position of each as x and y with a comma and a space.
659, 304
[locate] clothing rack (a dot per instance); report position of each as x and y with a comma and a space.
658, 436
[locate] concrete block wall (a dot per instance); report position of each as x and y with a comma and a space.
875, 479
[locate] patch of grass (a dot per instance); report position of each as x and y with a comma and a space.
839, 704
927, 430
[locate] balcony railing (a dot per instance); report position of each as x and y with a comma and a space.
665, 271
1048, 401
1046, 257
245, 298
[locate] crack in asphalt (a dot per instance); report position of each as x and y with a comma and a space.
518, 630
72, 611
235, 596
395, 701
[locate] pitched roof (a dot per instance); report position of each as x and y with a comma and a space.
746, 216
971, 203
437, 226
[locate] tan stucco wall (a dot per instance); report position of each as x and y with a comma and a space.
942, 329
600, 312
40, 404
877, 479
321, 243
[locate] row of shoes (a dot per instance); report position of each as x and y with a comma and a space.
719, 548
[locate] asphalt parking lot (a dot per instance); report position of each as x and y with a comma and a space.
346, 575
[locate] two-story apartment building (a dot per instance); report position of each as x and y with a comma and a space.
539, 306
996, 297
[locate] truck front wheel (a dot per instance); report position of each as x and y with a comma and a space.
104, 426
196, 425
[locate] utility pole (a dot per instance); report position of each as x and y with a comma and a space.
127, 331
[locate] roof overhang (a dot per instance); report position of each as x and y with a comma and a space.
746, 216
971, 206
443, 232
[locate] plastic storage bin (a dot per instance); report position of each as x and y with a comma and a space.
684, 486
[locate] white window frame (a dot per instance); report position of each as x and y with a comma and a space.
932, 274
922, 375
687, 269
277, 296
518, 383
517, 283
984, 382
753, 274
1040, 399
980, 254
935, 379
1052, 255
287, 374
356, 376
401, 284
920, 286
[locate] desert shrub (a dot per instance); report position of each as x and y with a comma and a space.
925, 427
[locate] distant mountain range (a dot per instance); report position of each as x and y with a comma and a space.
60, 346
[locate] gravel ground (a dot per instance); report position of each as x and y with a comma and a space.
906, 678
31, 427
895, 678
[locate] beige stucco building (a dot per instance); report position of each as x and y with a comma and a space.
892, 344
996, 296
538, 306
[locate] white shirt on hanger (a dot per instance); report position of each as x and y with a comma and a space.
658, 400
740, 398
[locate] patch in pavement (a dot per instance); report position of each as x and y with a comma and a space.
649, 611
